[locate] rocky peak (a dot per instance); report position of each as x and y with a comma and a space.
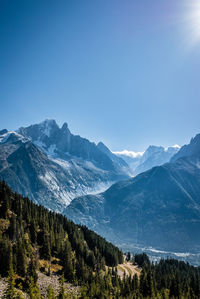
46, 127
12, 137
4, 131
151, 151
191, 149
64, 127
103, 147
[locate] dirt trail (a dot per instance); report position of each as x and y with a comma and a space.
128, 268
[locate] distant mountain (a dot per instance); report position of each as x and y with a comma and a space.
131, 158
158, 208
52, 166
153, 156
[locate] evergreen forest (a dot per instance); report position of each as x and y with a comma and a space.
34, 240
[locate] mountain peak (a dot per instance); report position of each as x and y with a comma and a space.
47, 125
48, 122
153, 148
64, 127
101, 145
195, 140
4, 131
11, 137
191, 149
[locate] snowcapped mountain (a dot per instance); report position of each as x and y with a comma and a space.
153, 156
159, 208
60, 143
52, 166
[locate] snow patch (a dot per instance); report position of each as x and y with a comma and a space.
91, 166
51, 150
52, 184
65, 195
62, 163
4, 138
77, 185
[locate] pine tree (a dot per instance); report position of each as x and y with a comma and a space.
5, 256
33, 290
61, 294
151, 291
10, 292
128, 256
31, 271
50, 293
67, 261
33, 231
13, 228
4, 205
21, 259
46, 250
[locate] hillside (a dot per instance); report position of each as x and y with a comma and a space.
43, 255
31, 237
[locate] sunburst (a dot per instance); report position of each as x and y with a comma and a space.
192, 18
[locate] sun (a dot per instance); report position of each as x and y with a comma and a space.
193, 21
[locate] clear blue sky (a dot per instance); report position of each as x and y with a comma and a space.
120, 71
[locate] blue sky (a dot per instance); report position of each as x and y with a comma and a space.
124, 72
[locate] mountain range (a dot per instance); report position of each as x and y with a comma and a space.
153, 156
158, 208
52, 166
151, 203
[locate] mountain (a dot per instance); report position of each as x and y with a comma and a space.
153, 156
52, 166
191, 149
158, 208
119, 163
60, 143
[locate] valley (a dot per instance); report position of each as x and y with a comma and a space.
158, 208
